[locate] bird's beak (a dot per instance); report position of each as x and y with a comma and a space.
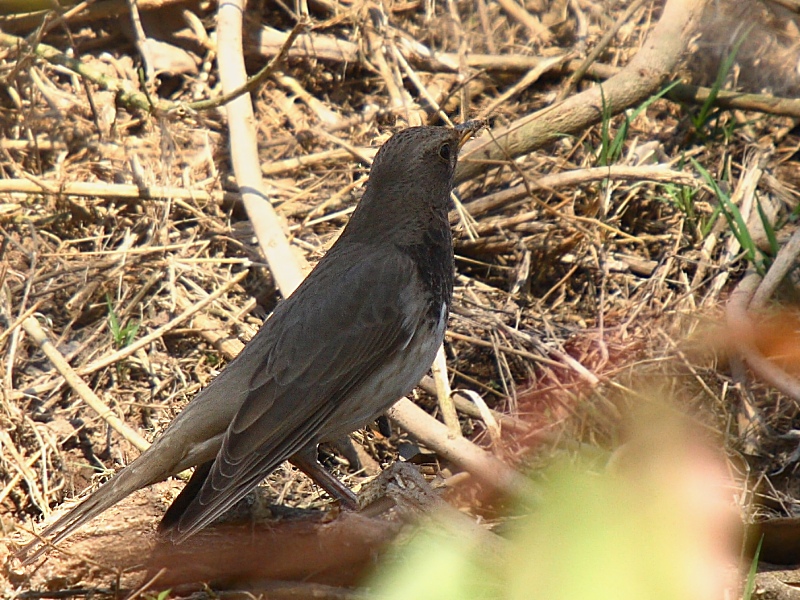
468, 129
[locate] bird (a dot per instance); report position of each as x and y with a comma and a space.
355, 336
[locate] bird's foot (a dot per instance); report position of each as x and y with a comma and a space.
402, 486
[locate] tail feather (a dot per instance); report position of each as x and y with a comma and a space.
147, 469
171, 518
118, 487
193, 438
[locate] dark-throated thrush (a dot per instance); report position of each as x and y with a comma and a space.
356, 335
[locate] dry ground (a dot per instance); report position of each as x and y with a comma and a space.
568, 298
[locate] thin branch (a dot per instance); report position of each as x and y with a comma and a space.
642, 77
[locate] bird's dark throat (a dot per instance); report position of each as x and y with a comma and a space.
434, 260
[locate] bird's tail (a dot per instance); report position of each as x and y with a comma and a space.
140, 473
193, 438
175, 511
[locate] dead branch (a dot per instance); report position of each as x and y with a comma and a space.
459, 450
641, 78
113, 190
786, 260
286, 268
739, 321
31, 326
659, 174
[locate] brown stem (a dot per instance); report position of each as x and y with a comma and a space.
641, 78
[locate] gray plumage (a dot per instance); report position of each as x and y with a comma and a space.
355, 336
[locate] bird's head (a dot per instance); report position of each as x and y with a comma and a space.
420, 158
413, 171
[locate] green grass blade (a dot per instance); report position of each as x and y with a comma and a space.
750, 583
702, 117
769, 230
733, 216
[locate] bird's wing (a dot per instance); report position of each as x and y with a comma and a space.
348, 318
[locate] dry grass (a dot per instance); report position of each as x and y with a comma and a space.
569, 304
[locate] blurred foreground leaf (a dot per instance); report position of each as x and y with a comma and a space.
657, 523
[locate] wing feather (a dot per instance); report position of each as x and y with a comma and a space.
324, 346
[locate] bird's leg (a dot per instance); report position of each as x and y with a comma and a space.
306, 461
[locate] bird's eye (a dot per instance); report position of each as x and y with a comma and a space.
444, 152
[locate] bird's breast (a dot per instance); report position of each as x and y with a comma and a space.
395, 378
